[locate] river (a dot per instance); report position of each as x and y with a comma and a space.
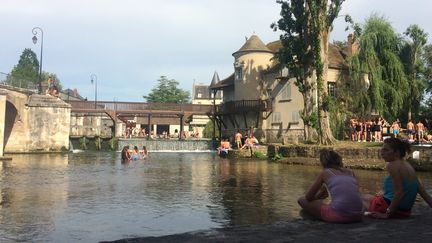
92, 196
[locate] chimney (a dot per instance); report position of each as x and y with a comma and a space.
75, 93
353, 47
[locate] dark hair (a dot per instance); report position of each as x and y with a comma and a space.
135, 147
330, 159
400, 145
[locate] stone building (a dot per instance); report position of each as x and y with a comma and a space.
203, 95
261, 97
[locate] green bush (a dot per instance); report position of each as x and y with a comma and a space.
259, 155
113, 142
83, 143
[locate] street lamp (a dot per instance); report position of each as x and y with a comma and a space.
35, 32
93, 78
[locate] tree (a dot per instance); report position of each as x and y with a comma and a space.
411, 57
208, 130
167, 92
25, 73
306, 26
378, 62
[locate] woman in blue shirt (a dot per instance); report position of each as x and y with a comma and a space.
400, 186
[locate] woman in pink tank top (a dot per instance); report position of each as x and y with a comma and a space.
346, 205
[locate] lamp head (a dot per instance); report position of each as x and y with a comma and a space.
34, 39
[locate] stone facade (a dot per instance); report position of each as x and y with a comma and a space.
36, 123
259, 77
94, 125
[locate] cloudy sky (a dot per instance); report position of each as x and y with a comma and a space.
129, 44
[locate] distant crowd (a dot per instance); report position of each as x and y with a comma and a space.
375, 130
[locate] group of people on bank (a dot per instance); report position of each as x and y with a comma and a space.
347, 204
373, 130
134, 154
241, 142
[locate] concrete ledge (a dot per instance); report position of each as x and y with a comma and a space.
414, 229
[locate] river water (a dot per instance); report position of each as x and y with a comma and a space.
92, 196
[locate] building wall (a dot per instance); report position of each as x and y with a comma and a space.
96, 125
36, 123
248, 88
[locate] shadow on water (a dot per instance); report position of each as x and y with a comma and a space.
92, 196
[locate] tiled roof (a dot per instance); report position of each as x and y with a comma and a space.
336, 55
224, 83
253, 44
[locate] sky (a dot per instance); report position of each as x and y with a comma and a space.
129, 44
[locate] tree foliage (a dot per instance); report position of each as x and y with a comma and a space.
414, 67
379, 61
167, 92
26, 73
306, 26
208, 130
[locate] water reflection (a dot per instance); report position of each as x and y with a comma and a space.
93, 196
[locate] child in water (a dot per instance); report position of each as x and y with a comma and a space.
144, 152
125, 155
136, 154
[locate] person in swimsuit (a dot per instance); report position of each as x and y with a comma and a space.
396, 128
400, 186
144, 152
410, 130
136, 154
346, 204
238, 137
125, 155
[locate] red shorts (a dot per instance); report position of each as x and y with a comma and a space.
380, 205
329, 215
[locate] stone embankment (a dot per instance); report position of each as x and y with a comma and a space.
353, 156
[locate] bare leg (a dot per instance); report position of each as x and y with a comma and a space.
311, 207
367, 198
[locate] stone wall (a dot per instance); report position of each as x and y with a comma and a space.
38, 123
91, 125
359, 157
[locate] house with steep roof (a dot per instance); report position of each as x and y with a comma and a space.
261, 97
203, 95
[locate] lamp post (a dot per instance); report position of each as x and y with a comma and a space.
93, 78
35, 31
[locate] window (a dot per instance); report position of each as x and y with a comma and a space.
199, 95
239, 73
331, 88
276, 117
286, 92
295, 116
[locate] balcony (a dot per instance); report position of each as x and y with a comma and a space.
232, 107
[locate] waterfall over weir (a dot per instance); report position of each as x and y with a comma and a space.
167, 144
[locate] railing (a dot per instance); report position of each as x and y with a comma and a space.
231, 107
9, 81
140, 106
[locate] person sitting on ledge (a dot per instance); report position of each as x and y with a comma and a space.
346, 204
401, 186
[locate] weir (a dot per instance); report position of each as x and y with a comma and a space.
167, 144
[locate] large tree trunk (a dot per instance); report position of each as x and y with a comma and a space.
326, 136
310, 133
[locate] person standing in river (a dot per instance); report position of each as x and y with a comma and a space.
346, 204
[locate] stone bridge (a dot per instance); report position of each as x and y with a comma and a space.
30, 122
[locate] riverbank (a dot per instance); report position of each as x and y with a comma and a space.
355, 155
415, 229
